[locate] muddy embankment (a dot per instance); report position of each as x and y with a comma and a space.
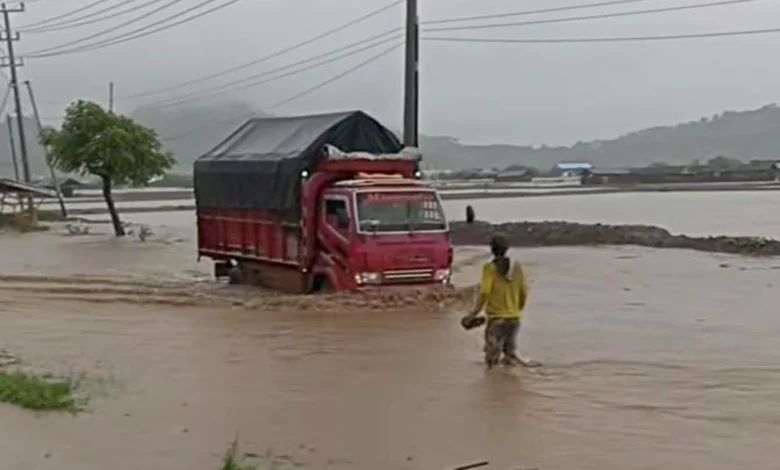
554, 233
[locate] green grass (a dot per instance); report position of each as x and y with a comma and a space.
231, 460
37, 393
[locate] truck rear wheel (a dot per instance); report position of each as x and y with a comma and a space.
236, 275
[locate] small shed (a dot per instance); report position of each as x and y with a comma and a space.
12, 192
68, 186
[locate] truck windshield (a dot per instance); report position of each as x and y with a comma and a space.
389, 211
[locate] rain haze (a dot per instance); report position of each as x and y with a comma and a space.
532, 93
313, 308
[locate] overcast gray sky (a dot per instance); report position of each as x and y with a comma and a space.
486, 93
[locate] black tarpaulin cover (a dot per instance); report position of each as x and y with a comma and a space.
259, 165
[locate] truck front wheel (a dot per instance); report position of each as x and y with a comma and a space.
322, 285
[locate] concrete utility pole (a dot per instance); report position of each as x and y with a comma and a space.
12, 144
411, 94
111, 97
52, 173
11, 62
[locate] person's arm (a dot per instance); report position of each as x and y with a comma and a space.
485, 286
523, 290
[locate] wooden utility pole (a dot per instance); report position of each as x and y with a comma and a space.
411, 72
11, 62
12, 144
53, 175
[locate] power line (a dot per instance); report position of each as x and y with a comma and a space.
292, 98
79, 22
42, 52
258, 79
278, 53
129, 36
672, 37
535, 12
339, 76
66, 14
448, 20
591, 17
193, 96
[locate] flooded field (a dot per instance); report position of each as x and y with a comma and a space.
652, 358
748, 213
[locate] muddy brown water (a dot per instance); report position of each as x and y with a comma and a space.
653, 359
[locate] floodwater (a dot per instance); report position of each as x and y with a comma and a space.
652, 359
748, 213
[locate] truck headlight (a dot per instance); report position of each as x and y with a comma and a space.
368, 278
442, 275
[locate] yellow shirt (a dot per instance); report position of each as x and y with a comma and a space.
504, 296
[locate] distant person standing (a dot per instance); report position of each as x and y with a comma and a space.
502, 294
470, 216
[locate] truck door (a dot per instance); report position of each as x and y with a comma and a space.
337, 222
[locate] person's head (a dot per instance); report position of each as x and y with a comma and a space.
499, 245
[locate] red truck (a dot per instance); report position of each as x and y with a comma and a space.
320, 203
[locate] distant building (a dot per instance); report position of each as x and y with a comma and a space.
68, 186
567, 170
514, 176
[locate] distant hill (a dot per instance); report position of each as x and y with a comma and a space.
191, 131
746, 135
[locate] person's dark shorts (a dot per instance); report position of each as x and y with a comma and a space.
500, 338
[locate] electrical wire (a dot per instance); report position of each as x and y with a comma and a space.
580, 6
57, 24
219, 89
278, 53
672, 37
591, 17
65, 15
294, 97
42, 52
447, 20
259, 79
132, 34
79, 22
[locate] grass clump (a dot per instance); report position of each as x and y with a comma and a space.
232, 459
21, 222
37, 393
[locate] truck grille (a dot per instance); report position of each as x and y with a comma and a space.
408, 275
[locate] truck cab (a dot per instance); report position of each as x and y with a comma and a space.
378, 230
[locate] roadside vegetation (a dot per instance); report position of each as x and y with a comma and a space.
232, 460
37, 393
21, 222
113, 148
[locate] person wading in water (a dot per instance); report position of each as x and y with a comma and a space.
502, 294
